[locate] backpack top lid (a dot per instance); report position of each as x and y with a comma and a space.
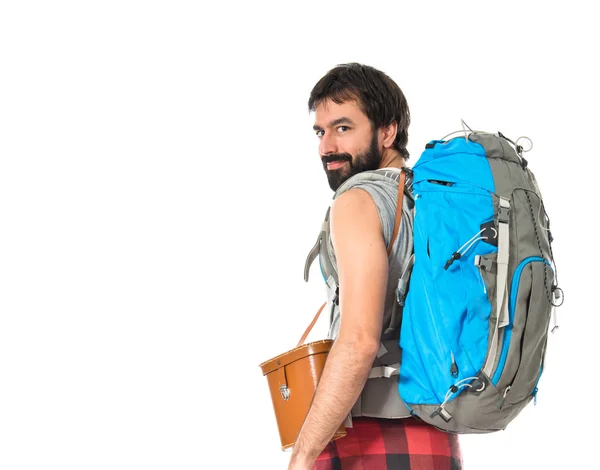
464, 159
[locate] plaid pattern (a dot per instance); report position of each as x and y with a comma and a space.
391, 444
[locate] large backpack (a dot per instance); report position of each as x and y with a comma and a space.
477, 312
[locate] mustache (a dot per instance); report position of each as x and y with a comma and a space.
336, 157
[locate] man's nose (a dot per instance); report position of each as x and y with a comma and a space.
328, 144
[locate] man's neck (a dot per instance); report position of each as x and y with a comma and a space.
392, 159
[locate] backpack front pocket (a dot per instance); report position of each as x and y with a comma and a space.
523, 351
444, 330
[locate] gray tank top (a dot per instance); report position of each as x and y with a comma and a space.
385, 196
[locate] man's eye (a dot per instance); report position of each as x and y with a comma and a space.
320, 133
343, 128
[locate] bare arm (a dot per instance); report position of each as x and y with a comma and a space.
363, 272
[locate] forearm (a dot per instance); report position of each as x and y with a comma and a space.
344, 375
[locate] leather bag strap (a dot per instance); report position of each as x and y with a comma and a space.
398, 210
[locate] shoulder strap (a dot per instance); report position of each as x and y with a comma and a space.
389, 250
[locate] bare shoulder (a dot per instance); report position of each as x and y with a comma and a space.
354, 213
355, 203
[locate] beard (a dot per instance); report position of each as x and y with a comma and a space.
364, 161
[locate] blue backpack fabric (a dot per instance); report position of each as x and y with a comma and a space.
483, 285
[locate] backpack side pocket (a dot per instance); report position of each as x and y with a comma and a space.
528, 349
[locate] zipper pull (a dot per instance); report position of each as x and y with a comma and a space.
453, 367
534, 393
554, 320
506, 390
456, 255
557, 296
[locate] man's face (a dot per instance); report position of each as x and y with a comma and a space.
348, 144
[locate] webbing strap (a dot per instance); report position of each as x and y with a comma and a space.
501, 313
314, 252
401, 292
384, 371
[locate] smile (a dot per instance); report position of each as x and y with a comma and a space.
335, 165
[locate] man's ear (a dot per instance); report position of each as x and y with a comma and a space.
389, 134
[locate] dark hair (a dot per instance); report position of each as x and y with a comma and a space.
378, 96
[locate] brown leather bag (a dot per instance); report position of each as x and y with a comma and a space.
294, 375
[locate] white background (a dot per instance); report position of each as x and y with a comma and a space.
160, 188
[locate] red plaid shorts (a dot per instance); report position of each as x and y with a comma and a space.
391, 444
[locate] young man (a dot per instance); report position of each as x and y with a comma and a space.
361, 121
